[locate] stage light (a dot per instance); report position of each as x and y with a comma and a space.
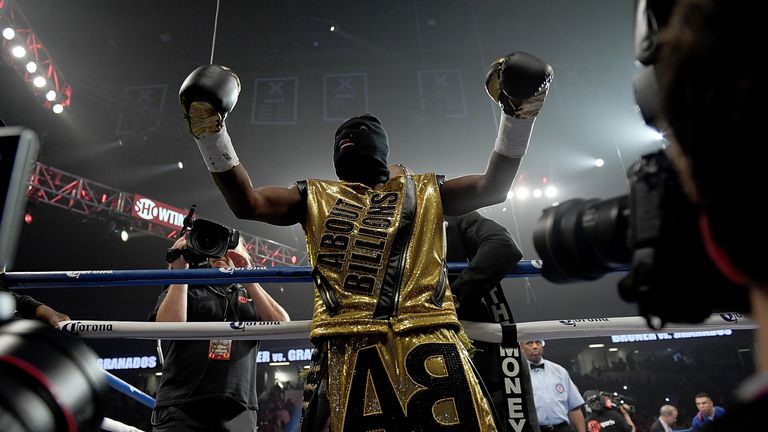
550, 191
57, 108
599, 163
180, 164
293, 259
596, 345
522, 193
613, 349
28, 55
51, 95
18, 51
537, 193
658, 136
333, 28
28, 218
124, 235
510, 194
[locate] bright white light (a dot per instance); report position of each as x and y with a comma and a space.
599, 163
504, 209
613, 349
537, 193
666, 399
281, 376
57, 108
158, 374
9, 33
18, 51
550, 191
522, 193
510, 194
625, 387
39, 81
51, 95
596, 345
31, 67
124, 235
658, 136
333, 28
180, 165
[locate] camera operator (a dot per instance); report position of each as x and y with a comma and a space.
606, 415
713, 99
211, 385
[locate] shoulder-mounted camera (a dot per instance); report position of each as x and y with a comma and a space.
206, 239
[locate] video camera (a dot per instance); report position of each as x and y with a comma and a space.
653, 230
206, 239
598, 401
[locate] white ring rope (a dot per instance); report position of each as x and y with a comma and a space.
487, 332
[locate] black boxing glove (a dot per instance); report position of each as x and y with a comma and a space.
207, 95
519, 83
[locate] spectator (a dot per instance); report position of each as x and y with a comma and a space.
708, 412
667, 419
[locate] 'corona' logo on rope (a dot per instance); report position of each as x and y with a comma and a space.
537, 264
242, 325
574, 322
731, 317
76, 274
77, 327
227, 270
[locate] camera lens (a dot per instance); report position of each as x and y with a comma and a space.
209, 238
49, 381
583, 239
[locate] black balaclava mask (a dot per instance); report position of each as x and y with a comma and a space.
365, 159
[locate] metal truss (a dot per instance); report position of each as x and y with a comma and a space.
55, 90
61, 189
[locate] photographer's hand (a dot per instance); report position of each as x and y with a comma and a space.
174, 306
179, 262
624, 410
50, 316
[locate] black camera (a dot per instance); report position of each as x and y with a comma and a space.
206, 239
598, 401
653, 231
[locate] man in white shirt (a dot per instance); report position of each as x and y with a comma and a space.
557, 399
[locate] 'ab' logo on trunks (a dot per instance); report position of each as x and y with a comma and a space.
370, 380
361, 260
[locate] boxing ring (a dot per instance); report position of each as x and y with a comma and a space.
632, 328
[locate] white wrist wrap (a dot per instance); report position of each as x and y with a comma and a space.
514, 135
217, 151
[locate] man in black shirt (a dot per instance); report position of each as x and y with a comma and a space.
605, 415
211, 385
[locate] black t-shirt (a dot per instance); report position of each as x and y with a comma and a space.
188, 374
608, 421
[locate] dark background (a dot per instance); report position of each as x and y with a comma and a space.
105, 47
